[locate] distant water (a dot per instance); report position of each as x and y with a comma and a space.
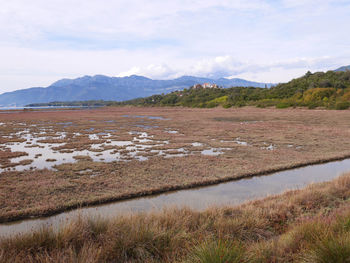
47, 107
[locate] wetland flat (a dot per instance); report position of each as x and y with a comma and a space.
51, 161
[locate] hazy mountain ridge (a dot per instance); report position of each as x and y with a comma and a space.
100, 87
344, 68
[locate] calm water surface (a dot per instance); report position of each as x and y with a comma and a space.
230, 193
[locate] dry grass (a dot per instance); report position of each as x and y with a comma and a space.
322, 135
309, 225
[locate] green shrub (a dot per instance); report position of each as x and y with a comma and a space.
220, 100
342, 105
266, 103
282, 105
240, 104
227, 105
212, 104
217, 252
317, 94
312, 105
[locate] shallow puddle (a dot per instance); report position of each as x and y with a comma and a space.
44, 152
44, 155
145, 117
270, 147
212, 152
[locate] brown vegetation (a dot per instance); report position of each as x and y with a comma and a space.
300, 137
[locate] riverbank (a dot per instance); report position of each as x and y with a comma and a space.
164, 190
308, 225
93, 156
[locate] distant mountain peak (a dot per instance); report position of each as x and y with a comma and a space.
344, 68
138, 77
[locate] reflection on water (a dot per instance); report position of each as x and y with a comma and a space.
230, 193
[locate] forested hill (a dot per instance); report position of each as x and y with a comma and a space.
321, 89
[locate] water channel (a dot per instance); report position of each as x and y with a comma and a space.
229, 193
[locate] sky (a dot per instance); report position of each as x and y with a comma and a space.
268, 41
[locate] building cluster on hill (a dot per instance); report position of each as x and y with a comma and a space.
205, 86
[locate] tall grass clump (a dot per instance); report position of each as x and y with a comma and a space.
219, 251
332, 249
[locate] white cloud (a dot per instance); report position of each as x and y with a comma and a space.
228, 67
217, 67
25, 21
281, 71
41, 41
152, 71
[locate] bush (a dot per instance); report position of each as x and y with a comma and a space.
325, 83
282, 105
227, 105
340, 85
312, 105
266, 103
212, 104
317, 94
342, 105
346, 96
240, 104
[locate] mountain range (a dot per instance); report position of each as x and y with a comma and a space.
102, 87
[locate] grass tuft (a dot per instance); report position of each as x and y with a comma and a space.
332, 249
217, 252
